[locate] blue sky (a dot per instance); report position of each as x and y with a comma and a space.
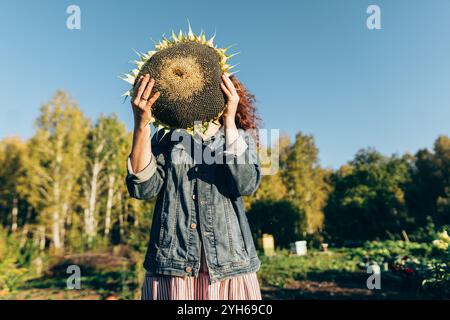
313, 64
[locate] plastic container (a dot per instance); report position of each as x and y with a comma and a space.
300, 248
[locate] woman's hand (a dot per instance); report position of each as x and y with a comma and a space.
229, 115
142, 102
232, 103
141, 150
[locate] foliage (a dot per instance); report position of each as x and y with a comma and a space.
443, 241
14, 208
367, 201
68, 180
420, 269
283, 268
53, 164
16, 258
306, 181
391, 252
279, 218
438, 270
437, 282
428, 264
428, 192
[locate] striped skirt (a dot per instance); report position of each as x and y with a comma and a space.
242, 287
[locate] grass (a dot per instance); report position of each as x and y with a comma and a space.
279, 269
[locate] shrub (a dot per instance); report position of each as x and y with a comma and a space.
279, 218
15, 260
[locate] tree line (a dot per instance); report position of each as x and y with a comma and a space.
372, 197
65, 185
64, 188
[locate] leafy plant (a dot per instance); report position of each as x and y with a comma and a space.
15, 261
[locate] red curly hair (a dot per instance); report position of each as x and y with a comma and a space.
246, 115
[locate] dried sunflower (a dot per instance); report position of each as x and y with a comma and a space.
187, 69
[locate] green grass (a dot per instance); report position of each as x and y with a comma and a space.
281, 268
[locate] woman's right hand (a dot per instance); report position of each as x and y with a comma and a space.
142, 102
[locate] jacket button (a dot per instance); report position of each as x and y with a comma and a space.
188, 269
193, 226
193, 197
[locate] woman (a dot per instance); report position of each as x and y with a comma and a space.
200, 241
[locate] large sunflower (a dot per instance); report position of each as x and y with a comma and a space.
187, 69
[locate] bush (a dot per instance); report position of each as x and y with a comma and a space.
437, 279
15, 260
278, 218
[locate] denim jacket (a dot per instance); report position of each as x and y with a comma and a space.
198, 184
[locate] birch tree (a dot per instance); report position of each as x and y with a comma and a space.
54, 163
118, 143
106, 152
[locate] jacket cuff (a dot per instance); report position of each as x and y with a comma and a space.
142, 175
237, 147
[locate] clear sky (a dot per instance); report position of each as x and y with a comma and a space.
313, 64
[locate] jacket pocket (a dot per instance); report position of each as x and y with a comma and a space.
237, 246
168, 215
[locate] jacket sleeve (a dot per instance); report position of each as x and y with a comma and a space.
147, 183
242, 164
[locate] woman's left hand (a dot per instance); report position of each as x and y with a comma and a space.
232, 101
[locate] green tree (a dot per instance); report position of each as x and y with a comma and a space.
442, 163
272, 186
278, 218
423, 188
428, 192
306, 181
54, 164
13, 207
367, 200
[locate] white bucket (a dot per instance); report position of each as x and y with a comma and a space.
300, 248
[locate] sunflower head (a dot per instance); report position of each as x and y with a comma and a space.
187, 69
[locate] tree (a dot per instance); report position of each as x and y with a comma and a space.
428, 192
118, 143
54, 164
284, 145
279, 218
12, 204
105, 152
423, 188
367, 200
442, 163
272, 186
306, 181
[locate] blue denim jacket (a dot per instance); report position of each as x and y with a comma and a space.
199, 186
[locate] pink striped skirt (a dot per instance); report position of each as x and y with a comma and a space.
242, 287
